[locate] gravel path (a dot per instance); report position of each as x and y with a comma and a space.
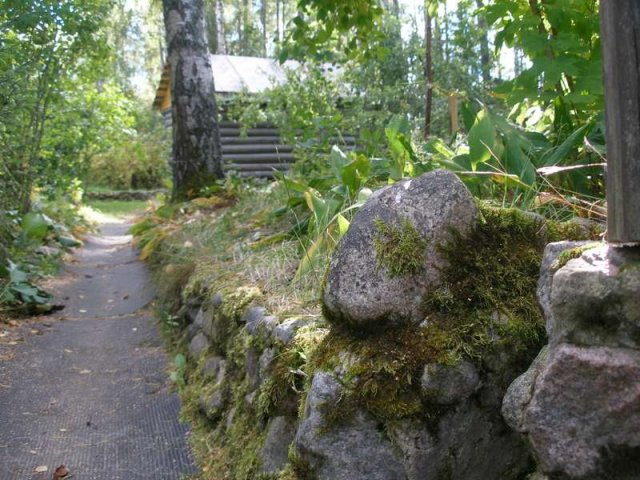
89, 389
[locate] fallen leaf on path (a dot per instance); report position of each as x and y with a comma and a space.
13, 323
41, 469
85, 371
66, 350
61, 472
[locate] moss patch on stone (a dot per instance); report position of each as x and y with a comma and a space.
399, 249
485, 306
572, 253
380, 373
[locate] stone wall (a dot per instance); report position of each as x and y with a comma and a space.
578, 405
429, 314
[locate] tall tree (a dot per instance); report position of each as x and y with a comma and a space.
485, 55
197, 154
221, 42
428, 69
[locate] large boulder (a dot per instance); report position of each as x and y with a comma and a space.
596, 299
275, 451
548, 268
355, 450
467, 442
389, 258
584, 417
578, 403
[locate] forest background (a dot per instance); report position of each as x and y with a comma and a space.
76, 79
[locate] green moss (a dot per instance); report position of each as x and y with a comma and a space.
487, 299
572, 253
381, 371
399, 249
572, 230
486, 305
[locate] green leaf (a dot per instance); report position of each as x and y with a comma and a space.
482, 139
180, 361
562, 151
35, 226
69, 242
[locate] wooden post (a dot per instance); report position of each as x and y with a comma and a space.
452, 100
620, 28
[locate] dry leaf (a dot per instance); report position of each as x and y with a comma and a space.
85, 371
61, 472
41, 469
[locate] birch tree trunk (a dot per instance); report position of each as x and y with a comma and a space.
197, 155
221, 42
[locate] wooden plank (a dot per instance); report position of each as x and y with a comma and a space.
259, 158
257, 166
235, 132
620, 25
256, 148
250, 140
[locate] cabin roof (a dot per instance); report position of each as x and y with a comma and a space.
233, 74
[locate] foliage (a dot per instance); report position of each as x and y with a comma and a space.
30, 248
136, 156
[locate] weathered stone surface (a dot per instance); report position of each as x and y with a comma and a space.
213, 403
257, 323
252, 316
265, 363
217, 299
359, 292
470, 443
275, 451
584, 418
353, 451
204, 320
214, 369
519, 393
547, 269
443, 385
198, 346
252, 367
286, 331
596, 299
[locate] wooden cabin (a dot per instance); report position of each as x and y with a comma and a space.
261, 151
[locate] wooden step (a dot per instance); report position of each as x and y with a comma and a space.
257, 166
259, 158
262, 148
251, 132
249, 140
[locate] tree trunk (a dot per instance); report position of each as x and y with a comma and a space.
221, 43
428, 72
485, 55
278, 20
244, 44
263, 21
197, 157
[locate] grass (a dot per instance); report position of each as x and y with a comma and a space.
118, 208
